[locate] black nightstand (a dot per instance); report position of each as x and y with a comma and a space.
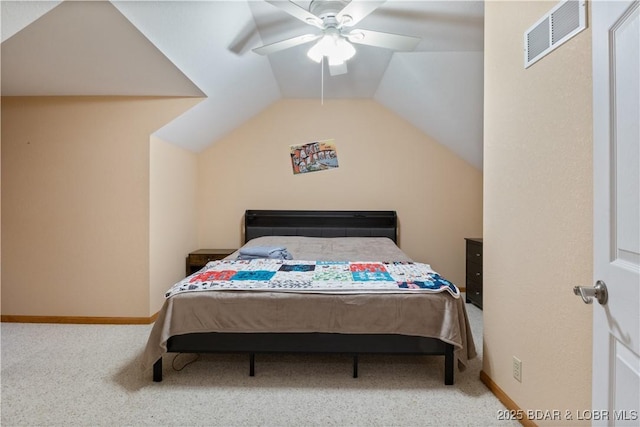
198, 259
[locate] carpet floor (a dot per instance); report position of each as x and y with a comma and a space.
89, 375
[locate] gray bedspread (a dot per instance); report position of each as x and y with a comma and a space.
429, 315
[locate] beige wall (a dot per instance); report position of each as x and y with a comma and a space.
97, 218
384, 163
537, 213
75, 200
173, 216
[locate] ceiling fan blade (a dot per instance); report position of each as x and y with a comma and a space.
386, 40
286, 44
243, 39
297, 12
338, 69
357, 10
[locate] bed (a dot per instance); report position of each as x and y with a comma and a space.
267, 321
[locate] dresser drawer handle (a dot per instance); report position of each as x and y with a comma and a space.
478, 254
477, 274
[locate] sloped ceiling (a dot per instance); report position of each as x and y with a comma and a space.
203, 49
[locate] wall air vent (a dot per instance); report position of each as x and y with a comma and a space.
560, 24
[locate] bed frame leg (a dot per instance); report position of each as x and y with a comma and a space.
252, 364
448, 365
355, 366
157, 370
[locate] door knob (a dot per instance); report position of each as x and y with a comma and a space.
599, 292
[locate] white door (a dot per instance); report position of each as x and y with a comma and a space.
616, 153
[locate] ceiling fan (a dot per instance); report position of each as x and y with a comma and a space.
336, 19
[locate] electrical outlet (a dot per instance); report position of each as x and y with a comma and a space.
517, 368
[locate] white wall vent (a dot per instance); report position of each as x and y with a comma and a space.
560, 24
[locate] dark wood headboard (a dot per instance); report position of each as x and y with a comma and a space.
258, 223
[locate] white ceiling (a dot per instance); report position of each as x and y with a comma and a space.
203, 48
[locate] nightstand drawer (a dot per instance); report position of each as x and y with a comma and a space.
204, 259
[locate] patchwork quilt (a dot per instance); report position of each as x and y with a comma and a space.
332, 277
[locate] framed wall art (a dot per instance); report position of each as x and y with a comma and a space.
314, 156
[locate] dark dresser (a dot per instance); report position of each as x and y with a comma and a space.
474, 271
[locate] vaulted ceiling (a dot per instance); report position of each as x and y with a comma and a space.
203, 49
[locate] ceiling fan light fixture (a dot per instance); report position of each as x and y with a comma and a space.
315, 53
336, 48
336, 19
